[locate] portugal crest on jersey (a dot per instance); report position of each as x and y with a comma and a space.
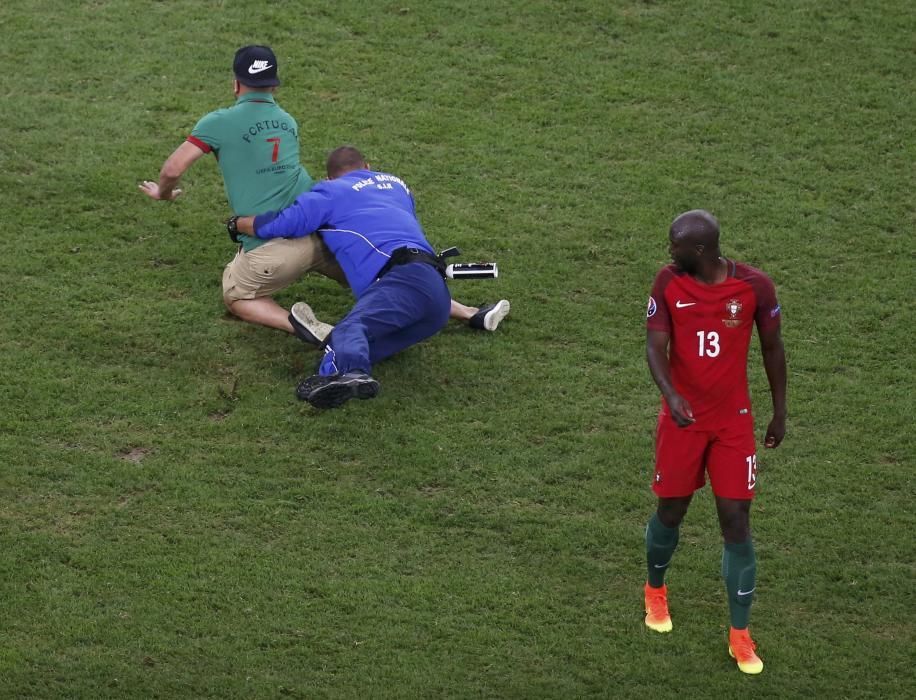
732, 308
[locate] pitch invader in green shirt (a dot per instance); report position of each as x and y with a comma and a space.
256, 144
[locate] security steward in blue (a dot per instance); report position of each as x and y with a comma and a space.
368, 220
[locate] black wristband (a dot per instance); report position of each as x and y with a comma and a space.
232, 226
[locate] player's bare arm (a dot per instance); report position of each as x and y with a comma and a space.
774, 363
657, 357
174, 167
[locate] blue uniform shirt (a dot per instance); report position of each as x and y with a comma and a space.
362, 216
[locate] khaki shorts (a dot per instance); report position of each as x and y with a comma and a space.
276, 265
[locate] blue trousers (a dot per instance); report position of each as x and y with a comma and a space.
409, 304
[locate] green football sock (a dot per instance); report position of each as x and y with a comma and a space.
739, 569
660, 544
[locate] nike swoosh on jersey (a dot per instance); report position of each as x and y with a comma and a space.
683, 305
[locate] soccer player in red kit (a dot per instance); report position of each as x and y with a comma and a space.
699, 323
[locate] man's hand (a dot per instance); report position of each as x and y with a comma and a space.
151, 189
776, 431
680, 410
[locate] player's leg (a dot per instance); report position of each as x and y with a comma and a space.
485, 318
678, 473
409, 304
739, 562
263, 311
418, 291
318, 258
406, 306
460, 312
662, 534
252, 277
344, 370
734, 519
733, 475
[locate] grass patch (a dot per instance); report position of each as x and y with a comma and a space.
176, 524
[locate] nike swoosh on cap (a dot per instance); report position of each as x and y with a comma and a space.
255, 68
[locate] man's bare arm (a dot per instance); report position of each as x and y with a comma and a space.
657, 357
174, 167
774, 363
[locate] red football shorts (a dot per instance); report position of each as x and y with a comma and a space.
684, 457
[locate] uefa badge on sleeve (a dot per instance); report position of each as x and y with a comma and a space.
651, 309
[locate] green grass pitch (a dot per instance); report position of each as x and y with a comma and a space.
174, 524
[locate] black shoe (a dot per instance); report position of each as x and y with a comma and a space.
335, 389
488, 317
306, 326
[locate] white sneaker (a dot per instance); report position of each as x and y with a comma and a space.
306, 326
489, 317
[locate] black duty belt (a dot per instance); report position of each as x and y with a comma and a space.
403, 256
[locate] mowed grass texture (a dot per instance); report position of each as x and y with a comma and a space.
174, 523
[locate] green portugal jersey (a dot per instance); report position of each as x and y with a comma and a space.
256, 144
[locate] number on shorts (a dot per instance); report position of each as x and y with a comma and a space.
751, 471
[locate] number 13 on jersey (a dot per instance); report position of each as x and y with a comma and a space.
708, 343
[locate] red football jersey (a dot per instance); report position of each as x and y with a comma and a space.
710, 328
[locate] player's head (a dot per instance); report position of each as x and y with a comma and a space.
345, 159
694, 240
256, 67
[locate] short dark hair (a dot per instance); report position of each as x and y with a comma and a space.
343, 159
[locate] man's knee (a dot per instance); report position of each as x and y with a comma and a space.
671, 511
240, 308
736, 530
231, 304
734, 519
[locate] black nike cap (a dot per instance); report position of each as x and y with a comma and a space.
256, 66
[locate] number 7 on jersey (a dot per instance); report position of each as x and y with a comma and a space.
276, 142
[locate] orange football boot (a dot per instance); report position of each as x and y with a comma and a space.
741, 649
657, 617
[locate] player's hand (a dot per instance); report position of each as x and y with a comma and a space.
776, 431
151, 189
681, 413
